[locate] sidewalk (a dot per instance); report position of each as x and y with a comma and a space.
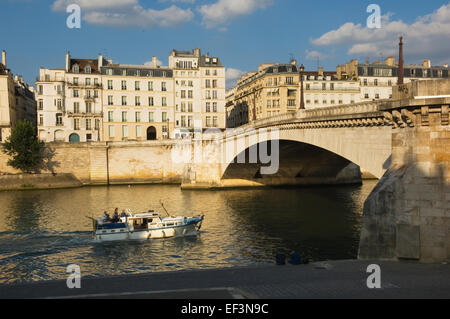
332, 279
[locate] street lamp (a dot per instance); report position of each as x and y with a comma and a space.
302, 96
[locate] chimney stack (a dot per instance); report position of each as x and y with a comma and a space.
320, 71
100, 61
67, 61
400, 63
4, 58
155, 62
427, 63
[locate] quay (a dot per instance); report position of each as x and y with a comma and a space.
323, 280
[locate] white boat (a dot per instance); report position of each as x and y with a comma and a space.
146, 226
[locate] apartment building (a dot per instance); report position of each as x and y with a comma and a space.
324, 89
17, 100
138, 102
376, 79
69, 99
273, 89
199, 92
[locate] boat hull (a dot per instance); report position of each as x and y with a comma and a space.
162, 233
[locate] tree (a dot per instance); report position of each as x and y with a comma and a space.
24, 148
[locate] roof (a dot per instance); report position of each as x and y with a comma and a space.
207, 61
82, 63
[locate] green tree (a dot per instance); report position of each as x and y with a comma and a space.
24, 148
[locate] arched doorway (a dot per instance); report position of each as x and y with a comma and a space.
74, 138
151, 133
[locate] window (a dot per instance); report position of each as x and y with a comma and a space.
124, 116
138, 131
76, 107
190, 94
150, 101
150, 86
208, 84
208, 107
183, 107
41, 120
375, 82
88, 124
190, 83
190, 107
88, 107
59, 119
41, 104
215, 124
332, 86
76, 124
190, 121
125, 131
95, 93
137, 86
138, 117
207, 72
208, 121
164, 101
75, 93
110, 84
183, 94
40, 90
163, 86
88, 81
137, 101
150, 117
75, 81
365, 82
110, 100
324, 86
183, 121
214, 84
164, 116
124, 100
88, 94
110, 116
76, 69
124, 85
214, 95
291, 103
95, 81
289, 80
97, 124
111, 131
59, 104
215, 107
87, 69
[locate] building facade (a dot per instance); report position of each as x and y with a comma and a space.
97, 100
377, 79
17, 101
272, 90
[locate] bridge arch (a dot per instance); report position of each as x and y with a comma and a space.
368, 147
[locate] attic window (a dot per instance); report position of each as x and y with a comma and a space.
87, 69
76, 69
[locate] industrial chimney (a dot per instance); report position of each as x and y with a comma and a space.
400, 63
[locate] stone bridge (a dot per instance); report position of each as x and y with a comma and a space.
308, 147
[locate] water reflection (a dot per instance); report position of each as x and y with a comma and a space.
41, 232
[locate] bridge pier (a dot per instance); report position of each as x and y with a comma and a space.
407, 216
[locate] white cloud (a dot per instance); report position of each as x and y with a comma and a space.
427, 37
231, 76
225, 10
126, 13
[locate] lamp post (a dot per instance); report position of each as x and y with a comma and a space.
302, 95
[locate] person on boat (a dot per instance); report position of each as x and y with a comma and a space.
106, 217
115, 218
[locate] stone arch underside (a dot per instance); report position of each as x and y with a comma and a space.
315, 155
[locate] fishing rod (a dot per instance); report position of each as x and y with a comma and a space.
162, 204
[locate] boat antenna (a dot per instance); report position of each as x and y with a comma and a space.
162, 204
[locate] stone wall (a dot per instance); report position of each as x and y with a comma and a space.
407, 216
39, 181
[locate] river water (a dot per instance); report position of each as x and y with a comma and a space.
41, 232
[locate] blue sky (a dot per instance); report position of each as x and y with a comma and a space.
244, 33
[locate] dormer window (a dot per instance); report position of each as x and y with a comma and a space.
76, 68
87, 69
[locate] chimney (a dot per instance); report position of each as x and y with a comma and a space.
427, 63
445, 65
100, 61
400, 63
294, 62
197, 52
4, 58
320, 71
155, 62
67, 61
